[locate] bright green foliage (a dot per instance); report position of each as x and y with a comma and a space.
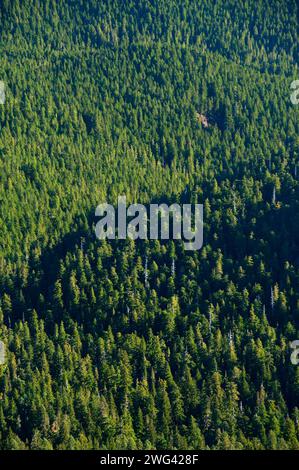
102, 99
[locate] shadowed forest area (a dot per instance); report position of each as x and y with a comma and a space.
143, 345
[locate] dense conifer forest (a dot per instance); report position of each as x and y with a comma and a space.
143, 345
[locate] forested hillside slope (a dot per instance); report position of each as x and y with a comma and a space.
142, 345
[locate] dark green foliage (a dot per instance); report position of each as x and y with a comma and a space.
103, 99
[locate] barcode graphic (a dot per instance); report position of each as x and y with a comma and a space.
2, 92
2, 353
